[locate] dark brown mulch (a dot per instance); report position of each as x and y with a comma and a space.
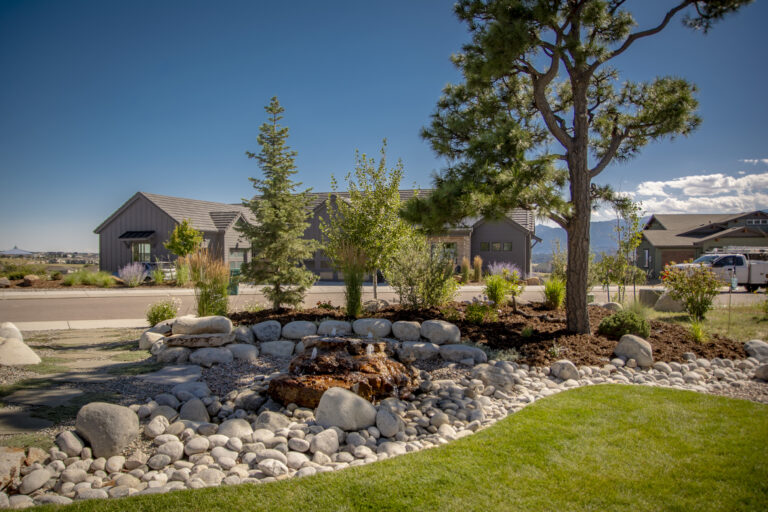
548, 340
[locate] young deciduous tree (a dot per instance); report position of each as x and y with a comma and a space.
370, 218
184, 239
281, 216
541, 112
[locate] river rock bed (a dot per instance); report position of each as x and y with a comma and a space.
247, 442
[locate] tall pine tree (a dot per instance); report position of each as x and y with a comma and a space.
281, 216
541, 113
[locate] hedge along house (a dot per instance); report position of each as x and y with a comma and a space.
668, 238
137, 230
507, 240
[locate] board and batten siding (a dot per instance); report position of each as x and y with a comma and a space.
502, 231
233, 239
140, 215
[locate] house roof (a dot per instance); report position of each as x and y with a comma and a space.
203, 215
16, 252
682, 230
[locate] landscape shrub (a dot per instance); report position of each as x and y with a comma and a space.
56, 276
85, 277
210, 277
15, 271
421, 276
182, 273
554, 293
157, 276
696, 287
480, 313
477, 269
464, 269
501, 268
163, 310
624, 322
133, 274
697, 331
527, 332
497, 288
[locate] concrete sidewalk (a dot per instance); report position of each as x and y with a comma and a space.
57, 325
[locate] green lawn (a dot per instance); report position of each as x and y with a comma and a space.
746, 322
597, 448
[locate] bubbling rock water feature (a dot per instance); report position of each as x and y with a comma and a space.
362, 366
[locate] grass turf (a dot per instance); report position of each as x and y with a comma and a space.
596, 448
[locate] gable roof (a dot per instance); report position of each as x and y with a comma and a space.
203, 215
688, 229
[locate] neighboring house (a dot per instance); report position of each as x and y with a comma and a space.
137, 230
676, 238
505, 240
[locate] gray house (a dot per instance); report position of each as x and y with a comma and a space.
668, 238
137, 230
506, 240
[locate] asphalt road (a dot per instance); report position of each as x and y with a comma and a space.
37, 306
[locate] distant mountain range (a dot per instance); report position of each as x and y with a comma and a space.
602, 237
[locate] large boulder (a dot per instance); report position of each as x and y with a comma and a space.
757, 349
458, 353
202, 325
10, 464
244, 351
406, 331
14, 352
267, 331
564, 369
109, 428
334, 328
209, 356
174, 355
148, 338
666, 304
244, 334
9, 330
500, 377
29, 280
342, 408
410, 351
298, 329
5, 282
194, 410
649, 296
440, 332
200, 340
762, 372
281, 348
376, 327
237, 427
635, 347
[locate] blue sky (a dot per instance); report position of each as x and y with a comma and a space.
101, 99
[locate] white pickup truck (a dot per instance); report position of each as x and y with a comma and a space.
748, 266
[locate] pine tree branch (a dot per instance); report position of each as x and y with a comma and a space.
644, 33
616, 141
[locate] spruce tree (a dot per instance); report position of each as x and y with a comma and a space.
281, 214
541, 113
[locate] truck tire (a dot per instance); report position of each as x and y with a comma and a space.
751, 288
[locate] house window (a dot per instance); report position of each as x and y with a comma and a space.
236, 258
507, 246
140, 251
647, 258
485, 246
496, 246
450, 250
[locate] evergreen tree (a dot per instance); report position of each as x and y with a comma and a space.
279, 251
541, 113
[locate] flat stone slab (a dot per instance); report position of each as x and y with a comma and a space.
82, 377
20, 422
46, 397
174, 374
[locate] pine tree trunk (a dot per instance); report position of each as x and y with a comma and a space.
375, 284
577, 316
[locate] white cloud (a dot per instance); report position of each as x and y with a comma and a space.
754, 161
705, 193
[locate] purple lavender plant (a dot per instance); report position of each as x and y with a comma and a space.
133, 274
498, 268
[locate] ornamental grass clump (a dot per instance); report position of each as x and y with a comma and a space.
133, 274
210, 277
698, 332
554, 293
695, 286
81, 277
477, 269
163, 310
496, 289
352, 261
624, 322
465, 270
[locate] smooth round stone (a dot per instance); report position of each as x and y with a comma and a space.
299, 445
196, 445
115, 464
159, 461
